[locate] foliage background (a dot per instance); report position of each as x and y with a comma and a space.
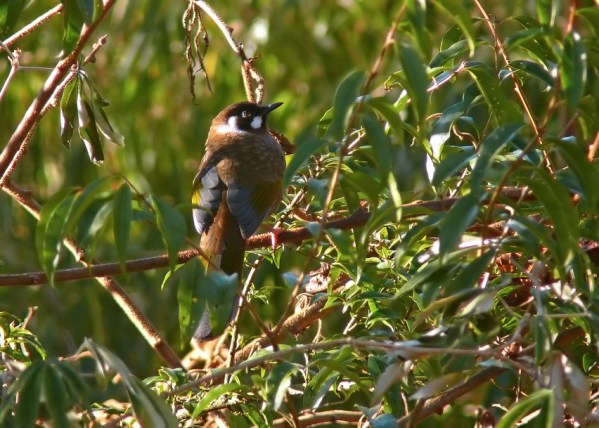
305, 49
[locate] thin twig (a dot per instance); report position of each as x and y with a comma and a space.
14, 67
413, 352
248, 71
37, 22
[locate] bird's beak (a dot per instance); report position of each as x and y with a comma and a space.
270, 107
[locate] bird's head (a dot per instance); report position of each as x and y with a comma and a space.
243, 117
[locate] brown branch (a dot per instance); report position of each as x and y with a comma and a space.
410, 352
117, 292
17, 144
310, 418
290, 236
435, 405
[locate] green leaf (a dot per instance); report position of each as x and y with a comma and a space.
150, 409
524, 407
416, 80
191, 302
83, 200
502, 107
386, 109
219, 291
56, 395
214, 394
489, 149
449, 54
590, 15
73, 23
451, 164
10, 10
172, 226
556, 202
29, 389
303, 152
50, 230
379, 142
586, 173
573, 67
345, 97
461, 15
459, 217
441, 131
470, 274
88, 130
278, 382
547, 11
121, 220
68, 112
86, 8
536, 70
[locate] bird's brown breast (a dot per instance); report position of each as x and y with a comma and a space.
247, 159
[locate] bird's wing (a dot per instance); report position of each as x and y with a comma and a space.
206, 196
250, 205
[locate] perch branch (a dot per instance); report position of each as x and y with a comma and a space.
295, 236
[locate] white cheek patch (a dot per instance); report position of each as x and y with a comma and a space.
232, 123
256, 122
230, 127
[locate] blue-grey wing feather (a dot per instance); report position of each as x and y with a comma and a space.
240, 204
208, 189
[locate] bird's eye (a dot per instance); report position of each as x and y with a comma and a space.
245, 114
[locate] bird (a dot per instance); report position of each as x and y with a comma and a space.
238, 184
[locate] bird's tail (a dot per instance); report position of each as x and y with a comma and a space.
223, 249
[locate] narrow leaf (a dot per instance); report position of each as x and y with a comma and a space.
68, 113
489, 149
303, 152
524, 407
574, 69
56, 395
122, 213
459, 217
416, 79
345, 97
379, 142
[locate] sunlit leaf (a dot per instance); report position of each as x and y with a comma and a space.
574, 69
345, 96
122, 213
416, 79
524, 407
